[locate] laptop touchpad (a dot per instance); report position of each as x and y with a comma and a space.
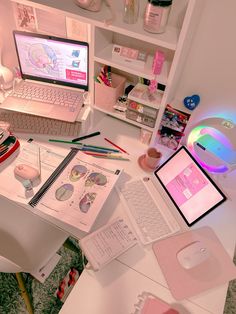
37, 107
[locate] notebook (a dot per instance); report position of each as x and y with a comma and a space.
182, 191
148, 303
52, 65
76, 191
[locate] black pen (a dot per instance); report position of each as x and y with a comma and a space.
86, 136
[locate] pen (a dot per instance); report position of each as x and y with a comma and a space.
84, 145
86, 136
121, 149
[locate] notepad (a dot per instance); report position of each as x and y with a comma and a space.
107, 243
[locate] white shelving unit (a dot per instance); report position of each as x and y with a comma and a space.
174, 42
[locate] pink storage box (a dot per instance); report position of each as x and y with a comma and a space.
105, 96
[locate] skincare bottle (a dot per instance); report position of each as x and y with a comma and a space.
156, 15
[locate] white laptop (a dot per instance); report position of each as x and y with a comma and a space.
177, 195
54, 76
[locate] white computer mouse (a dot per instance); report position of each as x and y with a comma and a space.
193, 254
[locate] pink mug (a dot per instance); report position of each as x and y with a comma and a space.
152, 157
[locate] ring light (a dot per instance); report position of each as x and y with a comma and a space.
212, 145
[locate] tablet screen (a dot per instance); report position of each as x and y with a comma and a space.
190, 188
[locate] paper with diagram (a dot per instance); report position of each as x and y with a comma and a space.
77, 190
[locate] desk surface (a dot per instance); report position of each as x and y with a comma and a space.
115, 290
137, 269
142, 270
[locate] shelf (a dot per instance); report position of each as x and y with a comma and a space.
174, 43
121, 116
168, 39
105, 56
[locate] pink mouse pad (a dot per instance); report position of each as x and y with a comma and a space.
189, 280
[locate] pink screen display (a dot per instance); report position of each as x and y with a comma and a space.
193, 192
53, 59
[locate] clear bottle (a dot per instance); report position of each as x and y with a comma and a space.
156, 15
131, 11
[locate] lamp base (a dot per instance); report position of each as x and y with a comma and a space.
6, 78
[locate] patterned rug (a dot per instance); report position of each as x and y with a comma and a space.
43, 295
230, 304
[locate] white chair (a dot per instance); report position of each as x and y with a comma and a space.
27, 242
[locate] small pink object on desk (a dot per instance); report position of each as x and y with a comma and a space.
148, 303
157, 306
158, 62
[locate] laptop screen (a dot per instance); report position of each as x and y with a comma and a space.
52, 59
190, 188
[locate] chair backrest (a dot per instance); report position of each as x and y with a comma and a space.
26, 240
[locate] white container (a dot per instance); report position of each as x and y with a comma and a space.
156, 15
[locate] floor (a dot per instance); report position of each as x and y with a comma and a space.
43, 295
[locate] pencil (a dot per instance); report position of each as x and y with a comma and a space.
121, 149
97, 154
86, 136
84, 145
95, 150
113, 157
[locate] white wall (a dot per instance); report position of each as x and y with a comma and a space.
210, 69
7, 24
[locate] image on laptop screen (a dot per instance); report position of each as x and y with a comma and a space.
52, 59
190, 188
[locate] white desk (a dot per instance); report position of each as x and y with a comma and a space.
96, 293
138, 269
115, 290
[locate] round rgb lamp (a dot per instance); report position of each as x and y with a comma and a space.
211, 143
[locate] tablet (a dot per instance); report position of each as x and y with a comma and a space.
190, 188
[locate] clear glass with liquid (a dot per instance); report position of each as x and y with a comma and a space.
131, 11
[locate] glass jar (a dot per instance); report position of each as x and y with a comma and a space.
130, 11
156, 15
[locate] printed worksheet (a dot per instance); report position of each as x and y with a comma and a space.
107, 243
78, 193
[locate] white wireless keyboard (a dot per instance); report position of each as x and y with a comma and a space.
147, 219
26, 123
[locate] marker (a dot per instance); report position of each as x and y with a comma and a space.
121, 149
86, 136
2, 152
